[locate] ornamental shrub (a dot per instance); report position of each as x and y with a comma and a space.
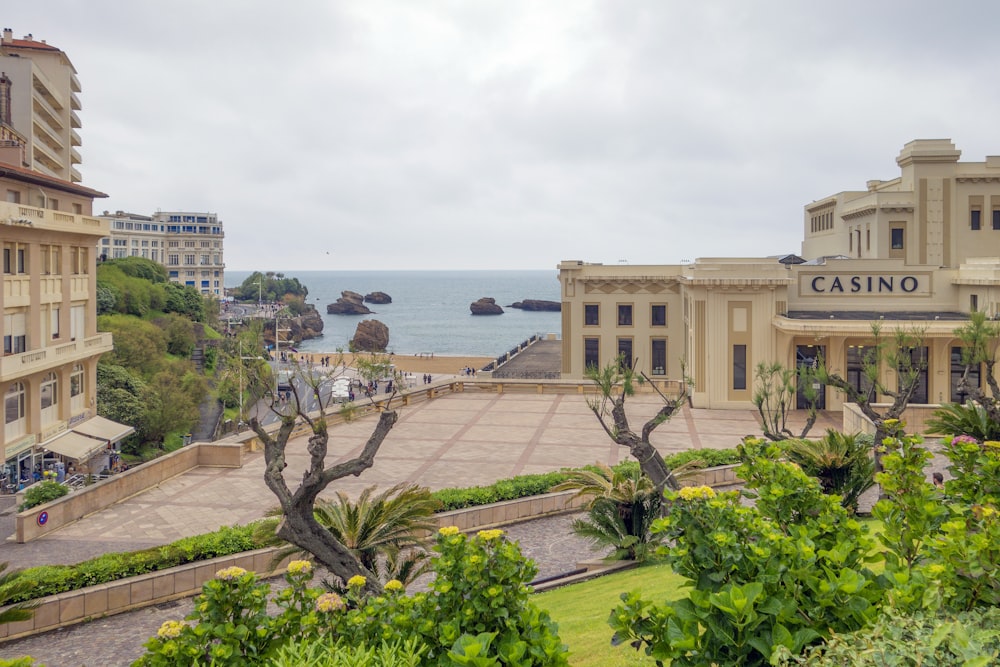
477, 612
787, 572
41, 493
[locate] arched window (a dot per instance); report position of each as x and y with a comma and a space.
49, 395
76, 389
15, 423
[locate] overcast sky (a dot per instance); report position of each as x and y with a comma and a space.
510, 134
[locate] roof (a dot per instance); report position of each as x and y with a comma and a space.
36, 177
30, 44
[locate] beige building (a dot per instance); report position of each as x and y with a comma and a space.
51, 344
39, 90
188, 244
918, 252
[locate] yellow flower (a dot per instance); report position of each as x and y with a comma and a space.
299, 567
170, 629
357, 581
448, 531
696, 492
328, 602
230, 573
490, 534
393, 585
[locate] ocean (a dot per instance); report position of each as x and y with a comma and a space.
430, 309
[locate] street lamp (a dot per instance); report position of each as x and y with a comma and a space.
260, 291
277, 351
242, 359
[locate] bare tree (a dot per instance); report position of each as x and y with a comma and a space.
298, 525
774, 395
616, 382
903, 353
981, 338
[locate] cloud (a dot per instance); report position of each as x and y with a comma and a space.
516, 134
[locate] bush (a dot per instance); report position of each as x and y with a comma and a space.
477, 612
969, 638
41, 493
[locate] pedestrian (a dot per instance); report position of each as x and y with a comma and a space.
938, 479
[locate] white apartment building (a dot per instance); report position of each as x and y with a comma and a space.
39, 89
188, 244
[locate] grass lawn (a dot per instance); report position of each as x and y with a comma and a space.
582, 611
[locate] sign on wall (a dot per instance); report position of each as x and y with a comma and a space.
864, 284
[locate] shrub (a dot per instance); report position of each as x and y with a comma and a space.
41, 493
969, 638
842, 463
477, 612
970, 419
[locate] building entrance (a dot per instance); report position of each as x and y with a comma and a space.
808, 356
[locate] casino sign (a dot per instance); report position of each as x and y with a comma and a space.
883, 284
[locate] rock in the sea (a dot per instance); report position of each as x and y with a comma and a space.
349, 303
486, 306
378, 297
370, 336
538, 304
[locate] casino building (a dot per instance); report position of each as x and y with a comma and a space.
917, 252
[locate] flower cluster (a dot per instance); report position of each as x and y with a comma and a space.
299, 567
490, 534
230, 573
328, 602
393, 585
448, 531
171, 629
696, 492
964, 439
357, 581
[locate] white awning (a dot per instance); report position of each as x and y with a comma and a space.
104, 429
74, 446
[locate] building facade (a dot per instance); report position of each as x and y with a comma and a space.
917, 253
39, 91
48, 371
190, 245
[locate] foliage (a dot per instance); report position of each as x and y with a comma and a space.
179, 332
477, 612
139, 345
107, 299
273, 288
785, 572
341, 653
970, 638
621, 512
980, 340
775, 394
842, 463
12, 586
504, 489
171, 401
41, 493
51, 579
184, 300
382, 530
970, 419
139, 267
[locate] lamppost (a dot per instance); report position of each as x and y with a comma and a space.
260, 292
242, 359
277, 351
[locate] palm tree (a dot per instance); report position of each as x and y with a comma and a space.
969, 419
382, 530
625, 503
13, 586
842, 463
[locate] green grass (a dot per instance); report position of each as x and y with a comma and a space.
582, 612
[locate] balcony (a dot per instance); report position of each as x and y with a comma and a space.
74, 83
74, 102
18, 215
44, 87
74, 138
74, 156
74, 120
42, 108
15, 366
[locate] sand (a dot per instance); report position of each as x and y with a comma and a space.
437, 365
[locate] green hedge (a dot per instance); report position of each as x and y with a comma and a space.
229, 540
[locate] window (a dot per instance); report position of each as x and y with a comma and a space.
189, 260
625, 353
913, 364
78, 209
15, 338
896, 238
858, 358
49, 397
975, 218
739, 367
173, 260
591, 315
625, 315
996, 218
13, 196
974, 379
54, 310
591, 352
14, 420
77, 322
659, 356
973, 302
658, 315
76, 389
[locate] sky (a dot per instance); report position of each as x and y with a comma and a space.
511, 134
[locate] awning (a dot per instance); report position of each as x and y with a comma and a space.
104, 429
75, 446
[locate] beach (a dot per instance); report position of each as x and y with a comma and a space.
436, 365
